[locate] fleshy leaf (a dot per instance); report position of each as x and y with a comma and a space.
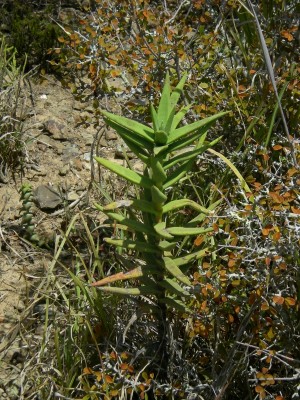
125, 173
182, 231
179, 116
143, 247
158, 197
142, 130
179, 173
176, 93
141, 291
190, 155
129, 222
160, 228
141, 205
159, 175
175, 204
176, 304
130, 137
187, 129
154, 118
176, 272
173, 287
164, 106
191, 256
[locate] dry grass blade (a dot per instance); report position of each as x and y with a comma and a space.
272, 77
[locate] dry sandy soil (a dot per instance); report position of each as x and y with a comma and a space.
59, 145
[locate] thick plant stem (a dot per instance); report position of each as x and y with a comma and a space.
163, 353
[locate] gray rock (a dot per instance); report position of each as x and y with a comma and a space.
88, 139
87, 156
64, 170
71, 151
72, 196
47, 197
79, 106
110, 135
56, 129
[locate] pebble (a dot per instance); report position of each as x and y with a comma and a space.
64, 170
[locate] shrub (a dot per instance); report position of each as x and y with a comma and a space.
31, 32
124, 51
236, 335
12, 103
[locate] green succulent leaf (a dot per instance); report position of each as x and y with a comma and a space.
160, 137
141, 205
176, 272
158, 150
178, 174
143, 290
125, 173
165, 245
154, 118
181, 231
191, 257
179, 116
136, 149
160, 228
143, 247
200, 217
133, 139
187, 129
158, 197
177, 91
129, 222
175, 204
164, 106
173, 287
190, 155
170, 120
176, 304
136, 127
158, 173
198, 137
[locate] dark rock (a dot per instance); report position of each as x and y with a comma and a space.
47, 197
56, 129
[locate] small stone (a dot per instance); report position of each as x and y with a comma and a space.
20, 306
87, 156
88, 139
89, 109
64, 170
42, 172
72, 196
103, 142
77, 164
56, 129
70, 152
79, 106
47, 198
138, 166
110, 135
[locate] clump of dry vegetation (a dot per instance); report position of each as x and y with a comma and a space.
232, 330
